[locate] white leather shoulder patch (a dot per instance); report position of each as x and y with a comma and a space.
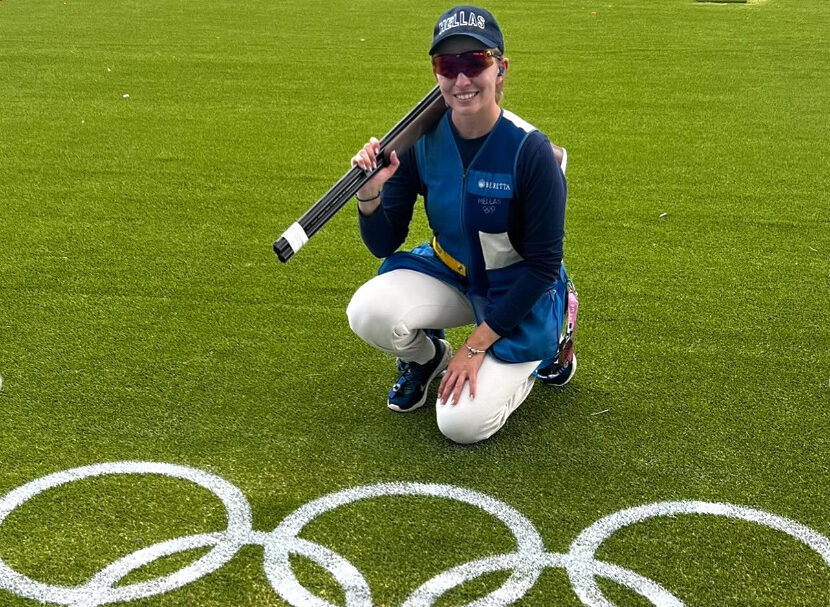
519, 122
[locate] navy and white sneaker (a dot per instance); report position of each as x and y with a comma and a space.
555, 374
439, 333
410, 391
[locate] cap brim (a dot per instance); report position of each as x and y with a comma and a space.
487, 42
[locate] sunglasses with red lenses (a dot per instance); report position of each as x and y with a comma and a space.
470, 64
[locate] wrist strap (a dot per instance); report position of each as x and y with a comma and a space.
375, 197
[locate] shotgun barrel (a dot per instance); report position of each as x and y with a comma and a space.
400, 138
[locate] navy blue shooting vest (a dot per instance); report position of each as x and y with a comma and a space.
468, 212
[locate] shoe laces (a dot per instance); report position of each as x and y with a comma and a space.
411, 371
552, 370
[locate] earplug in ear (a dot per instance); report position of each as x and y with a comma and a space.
501, 71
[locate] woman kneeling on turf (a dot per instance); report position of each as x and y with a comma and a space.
495, 199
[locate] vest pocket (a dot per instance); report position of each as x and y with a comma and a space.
497, 250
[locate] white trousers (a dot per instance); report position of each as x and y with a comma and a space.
389, 313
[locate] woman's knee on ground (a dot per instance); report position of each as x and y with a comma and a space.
468, 421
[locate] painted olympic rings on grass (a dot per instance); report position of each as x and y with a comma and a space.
526, 563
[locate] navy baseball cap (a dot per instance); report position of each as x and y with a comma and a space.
469, 21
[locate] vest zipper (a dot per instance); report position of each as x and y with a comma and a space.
463, 208
464, 190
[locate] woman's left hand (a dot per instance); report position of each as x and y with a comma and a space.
460, 370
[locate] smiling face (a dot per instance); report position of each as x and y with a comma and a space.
472, 99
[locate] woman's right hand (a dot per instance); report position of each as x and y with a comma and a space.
366, 159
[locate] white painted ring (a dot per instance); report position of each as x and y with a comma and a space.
94, 592
285, 583
278, 546
435, 588
581, 570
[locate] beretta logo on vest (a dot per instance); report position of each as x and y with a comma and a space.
493, 185
490, 184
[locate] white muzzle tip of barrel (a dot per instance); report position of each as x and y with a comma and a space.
295, 236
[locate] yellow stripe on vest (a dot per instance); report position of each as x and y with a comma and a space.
451, 262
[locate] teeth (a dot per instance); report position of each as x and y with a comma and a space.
466, 96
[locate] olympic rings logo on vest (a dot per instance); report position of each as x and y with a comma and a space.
526, 563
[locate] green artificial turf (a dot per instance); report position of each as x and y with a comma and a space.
152, 151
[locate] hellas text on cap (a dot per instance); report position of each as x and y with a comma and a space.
461, 19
